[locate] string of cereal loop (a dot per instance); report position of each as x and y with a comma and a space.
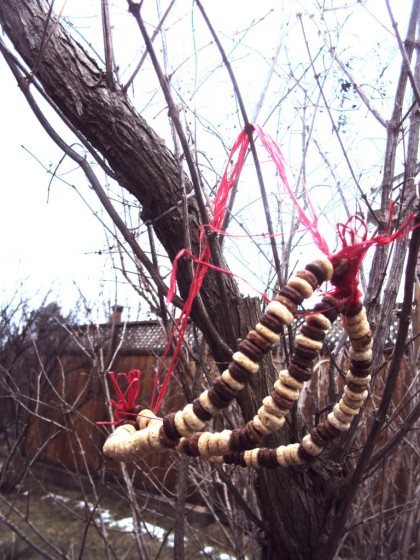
183, 430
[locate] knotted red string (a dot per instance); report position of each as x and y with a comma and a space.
124, 407
353, 236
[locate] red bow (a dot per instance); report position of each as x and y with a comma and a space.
125, 405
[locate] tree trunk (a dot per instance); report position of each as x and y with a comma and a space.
294, 504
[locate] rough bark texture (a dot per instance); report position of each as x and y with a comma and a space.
294, 504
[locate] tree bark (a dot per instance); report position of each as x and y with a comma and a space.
294, 504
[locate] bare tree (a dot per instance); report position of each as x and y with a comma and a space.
304, 513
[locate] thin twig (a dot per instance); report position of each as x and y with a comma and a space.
144, 55
393, 442
336, 132
108, 48
357, 88
249, 132
404, 55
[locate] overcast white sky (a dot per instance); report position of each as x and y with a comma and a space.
49, 238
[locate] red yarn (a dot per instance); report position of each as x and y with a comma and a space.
311, 225
184, 252
355, 246
125, 405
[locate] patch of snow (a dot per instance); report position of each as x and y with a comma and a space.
159, 533
56, 497
125, 524
106, 516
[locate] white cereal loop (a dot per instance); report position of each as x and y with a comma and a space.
153, 438
350, 378
181, 426
361, 316
123, 452
360, 356
248, 458
290, 381
245, 362
310, 447
272, 408
223, 442
232, 383
280, 311
213, 444
124, 430
113, 447
280, 455
285, 391
192, 421
138, 444
267, 333
254, 458
327, 266
259, 426
347, 409
357, 405
353, 322
308, 342
144, 417
301, 285
111, 444
334, 421
155, 422
358, 319
291, 455
270, 421
341, 415
352, 395
203, 444
207, 404
358, 331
